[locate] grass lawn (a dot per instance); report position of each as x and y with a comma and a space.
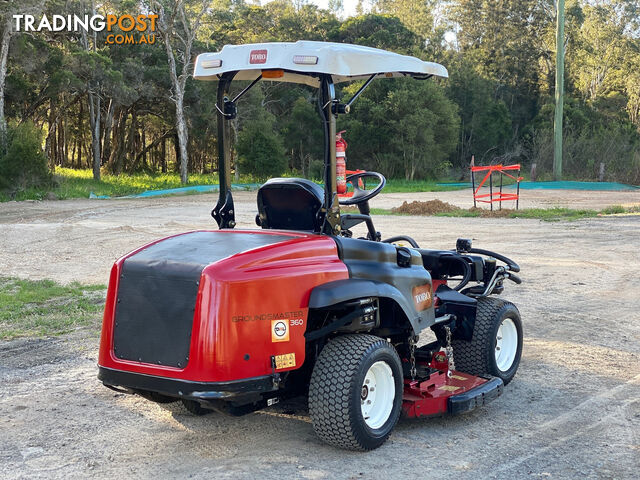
396, 185
41, 308
71, 183
547, 214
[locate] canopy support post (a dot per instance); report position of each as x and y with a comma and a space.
224, 212
327, 98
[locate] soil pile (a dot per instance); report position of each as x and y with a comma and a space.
434, 207
430, 207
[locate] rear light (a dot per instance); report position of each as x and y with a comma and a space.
211, 63
305, 59
272, 73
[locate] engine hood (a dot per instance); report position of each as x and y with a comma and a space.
202, 305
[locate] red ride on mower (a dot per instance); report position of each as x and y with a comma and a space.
236, 320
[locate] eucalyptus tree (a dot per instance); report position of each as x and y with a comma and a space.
178, 24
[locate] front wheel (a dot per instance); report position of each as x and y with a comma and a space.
355, 394
496, 346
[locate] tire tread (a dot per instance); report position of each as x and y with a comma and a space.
473, 356
331, 384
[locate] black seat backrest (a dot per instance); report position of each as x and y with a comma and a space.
290, 204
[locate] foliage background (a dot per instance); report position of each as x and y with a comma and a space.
497, 104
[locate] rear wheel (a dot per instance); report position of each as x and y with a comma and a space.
496, 346
355, 394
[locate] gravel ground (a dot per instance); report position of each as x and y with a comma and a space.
572, 411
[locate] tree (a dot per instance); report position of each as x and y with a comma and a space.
260, 149
138, 102
93, 95
416, 15
485, 121
302, 135
380, 31
505, 43
7, 10
425, 127
402, 123
24, 164
7, 33
178, 24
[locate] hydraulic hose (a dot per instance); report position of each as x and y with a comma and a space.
513, 266
467, 273
401, 238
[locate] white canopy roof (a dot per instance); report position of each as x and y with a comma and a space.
345, 62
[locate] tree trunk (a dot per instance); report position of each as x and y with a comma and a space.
4, 57
178, 82
78, 140
176, 150
50, 142
94, 121
163, 156
60, 143
93, 93
144, 149
106, 138
118, 139
183, 137
130, 146
143, 154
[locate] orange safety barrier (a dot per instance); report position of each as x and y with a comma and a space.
360, 184
495, 196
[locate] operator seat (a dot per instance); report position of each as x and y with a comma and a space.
290, 204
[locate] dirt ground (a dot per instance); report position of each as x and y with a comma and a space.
572, 411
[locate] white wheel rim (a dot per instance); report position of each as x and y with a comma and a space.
377, 394
506, 344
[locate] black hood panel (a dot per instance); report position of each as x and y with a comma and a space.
158, 290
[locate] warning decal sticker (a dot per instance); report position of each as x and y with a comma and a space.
279, 331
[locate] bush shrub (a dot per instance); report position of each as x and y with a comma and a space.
25, 164
589, 138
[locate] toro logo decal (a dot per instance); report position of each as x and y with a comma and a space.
421, 297
258, 56
279, 331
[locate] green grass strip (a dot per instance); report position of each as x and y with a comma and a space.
43, 307
79, 183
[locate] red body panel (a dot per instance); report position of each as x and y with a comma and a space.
237, 300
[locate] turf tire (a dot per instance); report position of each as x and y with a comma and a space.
336, 386
477, 356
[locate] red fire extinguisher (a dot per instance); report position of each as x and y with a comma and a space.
341, 163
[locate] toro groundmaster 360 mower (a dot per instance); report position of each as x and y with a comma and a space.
236, 320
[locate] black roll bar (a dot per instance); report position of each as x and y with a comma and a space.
223, 212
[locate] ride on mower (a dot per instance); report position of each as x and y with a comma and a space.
237, 320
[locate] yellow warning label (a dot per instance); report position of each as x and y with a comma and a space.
458, 377
449, 388
285, 361
279, 330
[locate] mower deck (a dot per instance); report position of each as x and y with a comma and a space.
444, 391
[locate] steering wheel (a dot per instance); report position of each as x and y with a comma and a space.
360, 195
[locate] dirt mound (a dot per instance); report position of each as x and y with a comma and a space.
424, 208
433, 207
